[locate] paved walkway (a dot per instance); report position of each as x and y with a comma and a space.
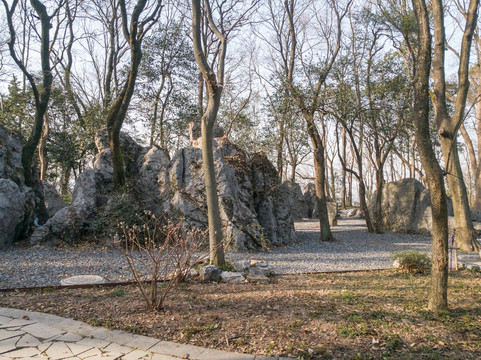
33, 335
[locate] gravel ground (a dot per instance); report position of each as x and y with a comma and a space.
354, 249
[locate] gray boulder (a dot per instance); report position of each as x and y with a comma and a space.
68, 223
310, 200
251, 218
132, 154
53, 201
297, 201
151, 178
406, 207
18, 202
233, 277
210, 273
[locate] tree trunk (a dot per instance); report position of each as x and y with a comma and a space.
65, 177
378, 225
320, 172
465, 233
364, 207
213, 213
42, 151
343, 180
214, 86
438, 299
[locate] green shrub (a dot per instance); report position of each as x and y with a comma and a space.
227, 267
413, 262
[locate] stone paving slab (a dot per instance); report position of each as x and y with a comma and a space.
30, 335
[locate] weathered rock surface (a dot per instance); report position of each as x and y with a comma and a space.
17, 201
254, 205
297, 201
210, 273
232, 277
68, 223
311, 200
406, 207
131, 151
53, 201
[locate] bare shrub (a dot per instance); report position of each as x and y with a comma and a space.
160, 254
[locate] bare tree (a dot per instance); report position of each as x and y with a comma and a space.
214, 83
307, 97
447, 125
134, 29
41, 91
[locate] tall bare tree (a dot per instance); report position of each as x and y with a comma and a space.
42, 90
134, 29
308, 98
214, 83
448, 126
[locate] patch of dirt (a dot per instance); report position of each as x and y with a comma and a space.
364, 315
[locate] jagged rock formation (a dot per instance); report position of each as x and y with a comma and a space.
53, 201
299, 206
254, 205
311, 200
17, 201
406, 207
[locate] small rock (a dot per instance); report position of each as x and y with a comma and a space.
232, 277
210, 273
255, 262
263, 271
257, 278
241, 266
261, 265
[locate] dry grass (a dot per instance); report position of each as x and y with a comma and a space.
365, 315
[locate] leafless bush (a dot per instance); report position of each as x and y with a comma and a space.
160, 254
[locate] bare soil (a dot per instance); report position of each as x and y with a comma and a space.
359, 315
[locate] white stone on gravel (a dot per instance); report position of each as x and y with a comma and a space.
83, 280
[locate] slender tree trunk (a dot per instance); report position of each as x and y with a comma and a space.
320, 171
214, 86
213, 213
349, 192
343, 180
280, 148
465, 233
378, 223
42, 150
64, 179
438, 299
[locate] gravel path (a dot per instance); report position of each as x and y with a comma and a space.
354, 249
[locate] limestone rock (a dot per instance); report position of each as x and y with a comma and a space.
271, 202
210, 273
297, 201
406, 207
254, 214
310, 200
241, 265
150, 180
131, 152
233, 277
68, 222
15, 204
195, 133
53, 201
18, 202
